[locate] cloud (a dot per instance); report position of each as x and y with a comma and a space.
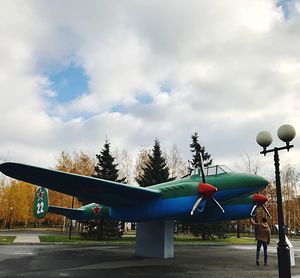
154, 69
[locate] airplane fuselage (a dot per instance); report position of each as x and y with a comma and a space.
178, 197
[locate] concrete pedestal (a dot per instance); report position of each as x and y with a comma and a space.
292, 252
155, 239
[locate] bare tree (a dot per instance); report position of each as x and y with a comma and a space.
125, 165
252, 165
289, 180
249, 164
141, 161
177, 167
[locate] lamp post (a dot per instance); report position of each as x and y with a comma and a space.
286, 133
9, 218
70, 231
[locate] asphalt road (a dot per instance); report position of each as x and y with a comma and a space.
120, 261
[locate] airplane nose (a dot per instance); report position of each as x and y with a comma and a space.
257, 181
263, 182
248, 182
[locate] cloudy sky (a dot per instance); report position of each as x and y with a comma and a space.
74, 72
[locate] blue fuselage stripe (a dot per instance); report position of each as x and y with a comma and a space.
174, 208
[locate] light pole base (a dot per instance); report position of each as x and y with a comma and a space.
284, 261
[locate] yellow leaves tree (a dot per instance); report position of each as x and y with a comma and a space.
16, 203
1, 201
289, 179
77, 163
16, 197
270, 193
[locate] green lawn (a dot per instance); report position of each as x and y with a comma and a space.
79, 239
229, 240
7, 239
131, 240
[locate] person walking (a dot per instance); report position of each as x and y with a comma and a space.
263, 236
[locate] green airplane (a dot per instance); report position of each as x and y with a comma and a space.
206, 195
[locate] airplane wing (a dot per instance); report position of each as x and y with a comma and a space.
90, 189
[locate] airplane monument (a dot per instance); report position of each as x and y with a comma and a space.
206, 195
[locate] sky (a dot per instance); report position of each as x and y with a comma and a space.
74, 73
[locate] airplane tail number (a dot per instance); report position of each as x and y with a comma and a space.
41, 205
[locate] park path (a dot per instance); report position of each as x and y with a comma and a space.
27, 239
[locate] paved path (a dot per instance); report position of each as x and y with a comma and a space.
19, 260
22, 237
35, 260
27, 239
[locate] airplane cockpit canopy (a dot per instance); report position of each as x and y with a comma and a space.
212, 170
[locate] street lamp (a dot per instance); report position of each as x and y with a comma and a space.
286, 133
9, 218
70, 230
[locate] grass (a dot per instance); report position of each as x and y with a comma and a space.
7, 239
178, 240
229, 240
80, 239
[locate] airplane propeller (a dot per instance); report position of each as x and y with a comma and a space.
259, 201
205, 190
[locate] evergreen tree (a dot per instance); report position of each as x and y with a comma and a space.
155, 170
196, 149
105, 169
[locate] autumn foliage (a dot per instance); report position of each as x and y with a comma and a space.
16, 203
16, 197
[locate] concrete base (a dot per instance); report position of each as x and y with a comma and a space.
155, 239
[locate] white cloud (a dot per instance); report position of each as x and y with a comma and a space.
232, 66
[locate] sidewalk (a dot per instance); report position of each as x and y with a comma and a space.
27, 239
60, 260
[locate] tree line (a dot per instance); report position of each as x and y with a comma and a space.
152, 166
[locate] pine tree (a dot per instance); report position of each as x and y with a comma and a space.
196, 149
155, 170
105, 169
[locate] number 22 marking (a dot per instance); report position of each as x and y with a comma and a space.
40, 208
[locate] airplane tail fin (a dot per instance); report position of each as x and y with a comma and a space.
41, 204
41, 207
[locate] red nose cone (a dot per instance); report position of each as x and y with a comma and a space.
206, 189
259, 199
